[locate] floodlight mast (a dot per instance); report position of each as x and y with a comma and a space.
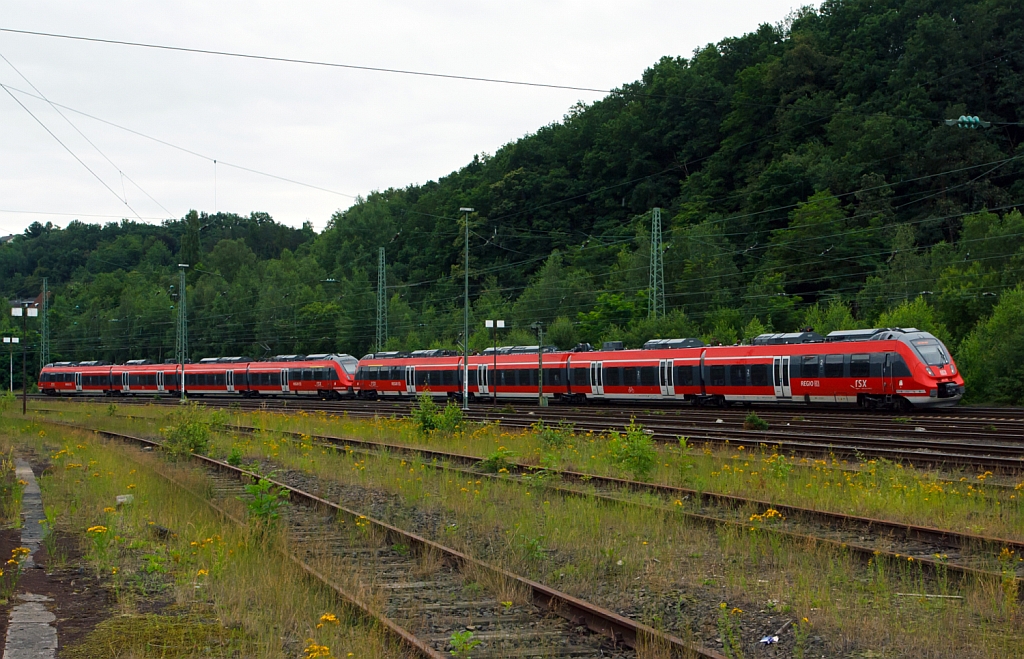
465, 335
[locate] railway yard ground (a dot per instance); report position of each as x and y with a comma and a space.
358, 529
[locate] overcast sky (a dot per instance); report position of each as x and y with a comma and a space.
348, 131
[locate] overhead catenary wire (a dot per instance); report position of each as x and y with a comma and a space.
73, 155
86, 138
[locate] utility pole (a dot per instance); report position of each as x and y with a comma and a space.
465, 336
181, 342
541, 401
44, 329
382, 302
656, 294
24, 311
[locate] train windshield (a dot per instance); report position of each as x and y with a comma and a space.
932, 352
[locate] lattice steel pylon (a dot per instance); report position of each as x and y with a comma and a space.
656, 293
382, 301
181, 335
44, 330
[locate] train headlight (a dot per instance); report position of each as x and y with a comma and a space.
952, 368
929, 370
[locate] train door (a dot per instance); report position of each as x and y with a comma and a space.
665, 378
780, 378
284, 380
597, 378
160, 381
78, 381
125, 387
888, 387
481, 379
229, 380
410, 379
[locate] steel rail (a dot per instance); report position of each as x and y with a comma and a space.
987, 456
599, 620
911, 532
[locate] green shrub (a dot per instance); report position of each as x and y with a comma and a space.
634, 451
450, 419
425, 413
429, 418
235, 457
754, 422
497, 461
188, 432
263, 501
554, 437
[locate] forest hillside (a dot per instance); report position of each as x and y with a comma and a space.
805, 175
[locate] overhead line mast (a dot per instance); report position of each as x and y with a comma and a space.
44, 330
382, 302
656, 294
181, 342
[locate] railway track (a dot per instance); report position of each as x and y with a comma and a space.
417, 588
992, 444
938, 550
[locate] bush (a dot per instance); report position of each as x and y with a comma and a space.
554, 437
189, 431
425, 413
429, 418
754, 422
634, 451
450, 419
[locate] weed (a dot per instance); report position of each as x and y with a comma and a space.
400, 549
554, 437
729, 630
235, 457
112, 409
462, 644
264, 501
801, 632
634, 451
497, 462
754, 422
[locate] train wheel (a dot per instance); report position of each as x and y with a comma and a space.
903, 405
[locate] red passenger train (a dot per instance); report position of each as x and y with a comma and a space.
897, 368
324, 375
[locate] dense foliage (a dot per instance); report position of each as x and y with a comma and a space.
806, 177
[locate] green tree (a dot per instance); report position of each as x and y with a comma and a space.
991, 358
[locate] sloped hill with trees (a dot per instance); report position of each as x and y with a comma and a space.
805, 172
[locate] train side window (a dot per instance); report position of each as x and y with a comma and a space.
685, 376
717, 376
553, 377
630, 376
612, 376
877, 358
834, 366
581, 377
809, 367
649, 376
759, 375
738, 375
860, 366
